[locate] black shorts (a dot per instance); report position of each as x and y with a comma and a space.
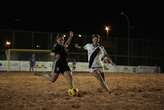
61, 66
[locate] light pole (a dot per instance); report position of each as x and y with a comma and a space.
7, 44
107, 29
128, 21
7, 52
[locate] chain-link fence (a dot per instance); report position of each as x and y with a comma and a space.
138, 52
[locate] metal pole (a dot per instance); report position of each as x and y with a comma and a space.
128, 21
32, 45
13, 39
107, 35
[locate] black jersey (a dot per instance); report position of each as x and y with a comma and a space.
60, 49
61, 65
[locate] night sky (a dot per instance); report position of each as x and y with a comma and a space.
146, 22
146, 18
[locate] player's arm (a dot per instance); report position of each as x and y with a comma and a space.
55, 55
106, 58
78, 46
55, 52
67, 43
84, 47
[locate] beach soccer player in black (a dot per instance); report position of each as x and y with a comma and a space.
60, 65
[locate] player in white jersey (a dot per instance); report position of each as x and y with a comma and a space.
96, 56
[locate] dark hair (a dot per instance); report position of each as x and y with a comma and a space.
93, 36
59, 36
96, 35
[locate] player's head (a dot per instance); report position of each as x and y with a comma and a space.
60, 39
95, 39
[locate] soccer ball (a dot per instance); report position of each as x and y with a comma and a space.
73, 92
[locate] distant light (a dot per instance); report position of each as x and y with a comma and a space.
8, 43
64, 35
37, 46
107, 28
80, 35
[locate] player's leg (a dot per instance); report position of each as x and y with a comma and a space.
97, 73
50, 76
69, 78
102, 75
32, 68
102, 82
53, 77
56, 70
67, 73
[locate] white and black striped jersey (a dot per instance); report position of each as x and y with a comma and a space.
95, 54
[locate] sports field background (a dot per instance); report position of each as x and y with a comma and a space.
130, 91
